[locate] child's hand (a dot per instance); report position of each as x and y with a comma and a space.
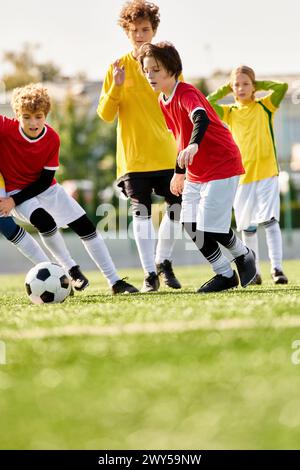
177, 183
6, 205
186, 156
118, 73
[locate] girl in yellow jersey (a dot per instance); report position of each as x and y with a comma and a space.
146, 150
257, 200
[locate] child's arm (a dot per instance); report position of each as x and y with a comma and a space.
111, 92
278, 90
186, 156
218, 95
39, 186
35, 188
200, 124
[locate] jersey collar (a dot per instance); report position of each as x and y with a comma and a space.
169, 99
32, 141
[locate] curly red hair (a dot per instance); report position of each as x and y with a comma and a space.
31, 98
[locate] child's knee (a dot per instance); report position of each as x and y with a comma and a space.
42, 220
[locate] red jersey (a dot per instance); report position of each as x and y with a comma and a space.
23, 159
218, 156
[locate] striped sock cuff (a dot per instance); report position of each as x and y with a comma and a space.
18, 236
91, 236
50, 233
231, 241
215, 256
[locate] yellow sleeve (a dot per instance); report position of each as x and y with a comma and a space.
110, 97
267, 102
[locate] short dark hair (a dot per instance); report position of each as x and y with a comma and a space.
139, 10
163, 52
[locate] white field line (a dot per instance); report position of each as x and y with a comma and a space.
149, 328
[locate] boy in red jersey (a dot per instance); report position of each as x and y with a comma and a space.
213, 163
146, 153
29, 150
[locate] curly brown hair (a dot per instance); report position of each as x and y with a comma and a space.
31, 98
137, 10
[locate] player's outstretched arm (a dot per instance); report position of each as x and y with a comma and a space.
108, 106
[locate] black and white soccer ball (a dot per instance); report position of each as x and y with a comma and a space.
47, 283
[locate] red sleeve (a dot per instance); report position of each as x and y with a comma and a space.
5, 124
52, 162
191, 101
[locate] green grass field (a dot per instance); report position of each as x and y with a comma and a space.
157, 371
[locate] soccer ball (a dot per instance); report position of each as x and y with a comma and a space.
47, 283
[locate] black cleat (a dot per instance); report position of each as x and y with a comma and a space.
79, 281
151, 283
257, 281
165, 270
246, 267
123, 287
219, 283
279, 277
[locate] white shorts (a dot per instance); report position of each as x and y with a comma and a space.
257, 202
63, 208
209, 204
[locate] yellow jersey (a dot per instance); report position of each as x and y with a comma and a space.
252, 127
144, 144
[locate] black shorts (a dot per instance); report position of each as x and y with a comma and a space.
140, 187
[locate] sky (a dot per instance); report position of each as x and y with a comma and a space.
209, 35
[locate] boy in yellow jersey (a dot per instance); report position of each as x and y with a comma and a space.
257, 200
146, 149
17, 235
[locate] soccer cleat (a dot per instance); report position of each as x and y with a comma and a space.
219, 283
79, 281
257, 281
151, 283
123, 287
166, 272
246, 267
279, 277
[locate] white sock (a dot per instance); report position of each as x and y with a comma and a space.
169, 232
250, 239
236, 247
220, 264
56, 245
144, 235
29, 247
274, 242
98, 251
